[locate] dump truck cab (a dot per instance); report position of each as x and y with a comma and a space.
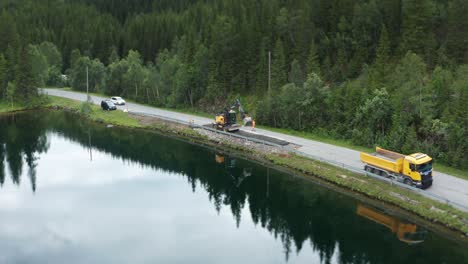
418, 167
409, 233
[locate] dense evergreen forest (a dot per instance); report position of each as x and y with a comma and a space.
392, 73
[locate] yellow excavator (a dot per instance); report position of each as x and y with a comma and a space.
406, 232
227, 119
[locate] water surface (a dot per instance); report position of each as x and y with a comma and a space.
77, 192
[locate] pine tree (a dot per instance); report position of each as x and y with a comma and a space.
8, 31
3, 73
74, 56
11, 57
25, 83
261, 83
457, 30
39, 64
383, 49
278, 67
313, 64
296, 75
416, 26
114, 56
411, 141
382, 58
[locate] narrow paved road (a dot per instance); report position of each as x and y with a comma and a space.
446, 186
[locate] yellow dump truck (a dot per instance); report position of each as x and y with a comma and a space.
414, 169
406, 232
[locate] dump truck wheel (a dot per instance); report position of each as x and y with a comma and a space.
407, 181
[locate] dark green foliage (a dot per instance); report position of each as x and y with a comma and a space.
380, 71
96, 74
39, 66
261, 80
457, 30
313, 63
26, 85
114, 56
299, 107
296, 75
417, 18
11, 57
373, 119
55, 78
86, 108
384, 72
3, 76
279, 69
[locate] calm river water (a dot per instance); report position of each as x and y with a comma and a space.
78, 192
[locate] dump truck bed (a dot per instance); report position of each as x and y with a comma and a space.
387, 154
385, 159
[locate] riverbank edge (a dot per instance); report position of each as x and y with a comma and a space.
444, 168
435, 214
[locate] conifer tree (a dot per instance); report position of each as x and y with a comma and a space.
11, 57
296, 75
416, 30
382, 58
114, 56
457, 30
313, 64
261, 83
74, 56
25, 83
3, 73
278, 67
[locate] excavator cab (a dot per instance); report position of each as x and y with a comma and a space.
231, 117
227, 120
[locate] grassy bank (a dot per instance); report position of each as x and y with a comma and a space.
113, 117
186, 110
375, 189
6, 107
433, 212
463, 174
452, 171
118, 118
428, 209
413, 202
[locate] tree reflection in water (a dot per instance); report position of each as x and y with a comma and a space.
293, 210
22, 139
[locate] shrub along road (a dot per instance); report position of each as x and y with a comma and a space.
446, 186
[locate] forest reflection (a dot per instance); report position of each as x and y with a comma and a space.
292, 210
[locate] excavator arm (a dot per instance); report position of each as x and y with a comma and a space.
237, 104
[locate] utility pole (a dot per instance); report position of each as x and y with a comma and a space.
269, 72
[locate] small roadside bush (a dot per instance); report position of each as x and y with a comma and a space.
86, 108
